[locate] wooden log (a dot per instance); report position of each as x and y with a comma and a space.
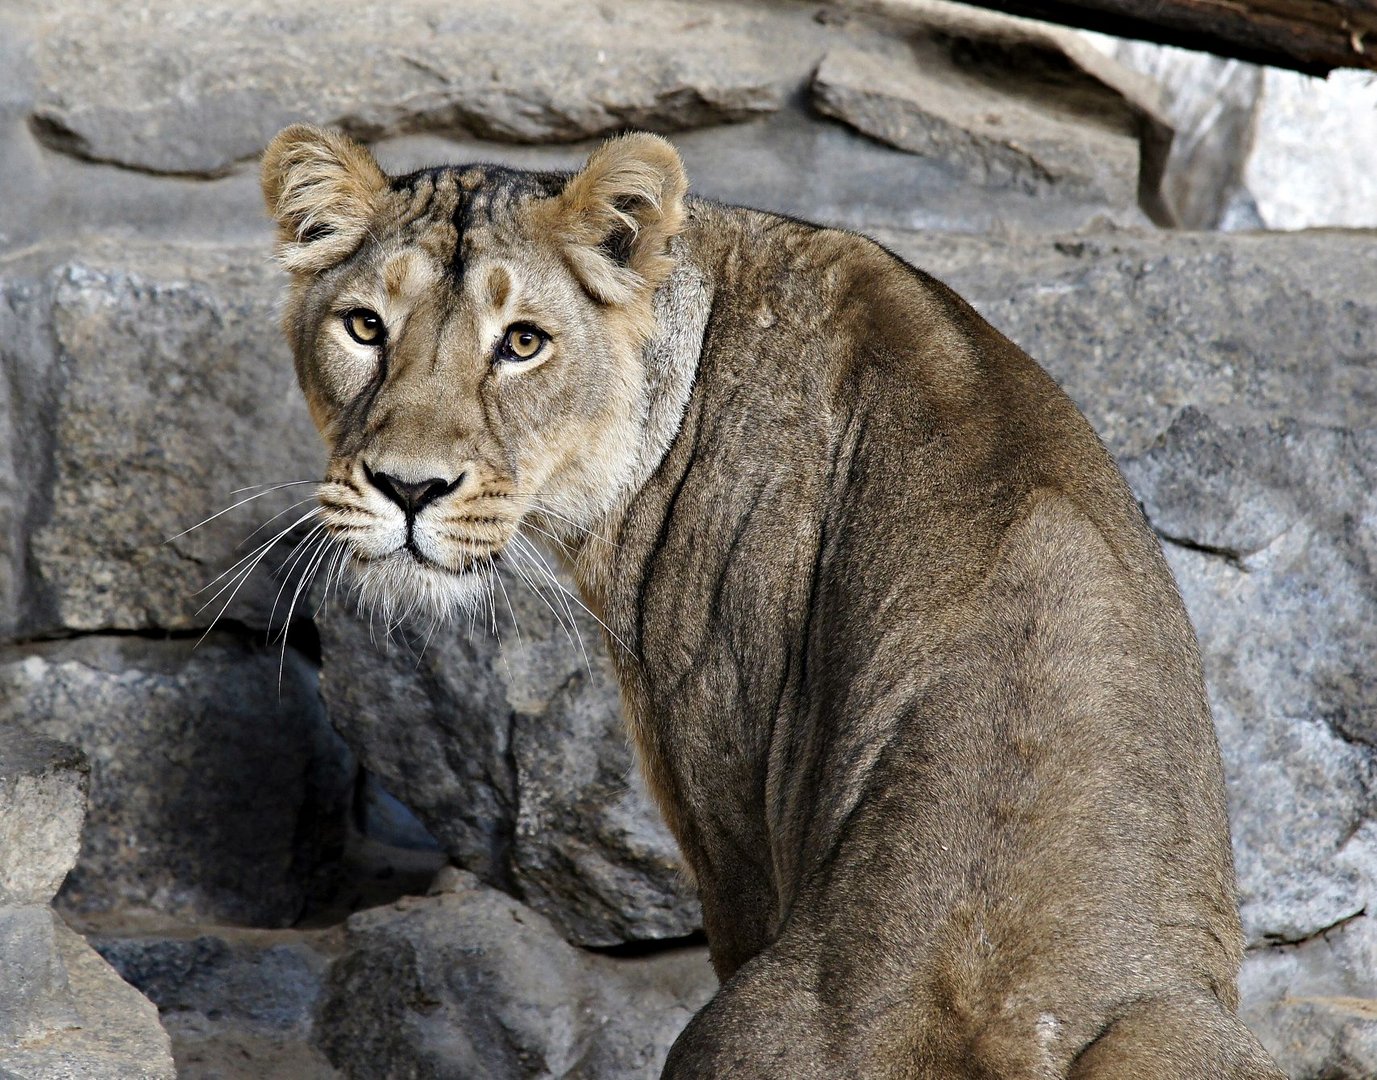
1314, 36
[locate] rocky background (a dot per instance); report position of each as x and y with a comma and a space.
324, 849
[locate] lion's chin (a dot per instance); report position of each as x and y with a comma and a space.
401, 586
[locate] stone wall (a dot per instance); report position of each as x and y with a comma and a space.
253, 784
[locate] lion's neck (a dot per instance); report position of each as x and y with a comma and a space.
671, 356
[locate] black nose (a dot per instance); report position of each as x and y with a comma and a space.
411, 497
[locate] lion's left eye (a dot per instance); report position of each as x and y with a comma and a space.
364, 326
522, 342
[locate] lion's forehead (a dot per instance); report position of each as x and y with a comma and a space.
454, 237
452, 213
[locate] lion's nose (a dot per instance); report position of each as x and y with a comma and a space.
411, 497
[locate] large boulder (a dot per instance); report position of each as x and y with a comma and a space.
43, 786
217, 787
1258, 147
1210, 103
1006, 102
192, 90
469, 984
155, 383
506, 739
106, 1030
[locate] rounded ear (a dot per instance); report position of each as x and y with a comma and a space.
323, 189
616, 216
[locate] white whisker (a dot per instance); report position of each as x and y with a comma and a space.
302, 583
286, 510
235, 506
542, 508
492, 597
574, 597
271, 484
303, 545
532, 556
261, 547
511, 610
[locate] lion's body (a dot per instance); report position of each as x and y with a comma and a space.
903, 665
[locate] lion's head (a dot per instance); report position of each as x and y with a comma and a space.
469, 340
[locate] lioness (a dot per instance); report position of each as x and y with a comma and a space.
902, 663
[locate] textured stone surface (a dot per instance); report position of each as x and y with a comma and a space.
468, 983
1288, 637
1136, 326
42, 805
510, 747
26, 422
178, 89
1318, 1038
1312, 160
1313, 1004
923, 101
170, 389
37, 999
433, 727
111, 1034
237, 1003
213, 791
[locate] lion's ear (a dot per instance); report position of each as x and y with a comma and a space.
616, 216
323, 189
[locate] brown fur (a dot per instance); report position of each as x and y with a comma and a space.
904, 667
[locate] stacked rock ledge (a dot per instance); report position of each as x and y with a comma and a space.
64, 1012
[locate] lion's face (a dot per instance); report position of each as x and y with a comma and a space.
469, 343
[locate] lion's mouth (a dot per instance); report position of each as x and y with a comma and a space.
408, 555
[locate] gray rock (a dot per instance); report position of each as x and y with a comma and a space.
1261, 148
43, 787
979, 122
37, 1000
113, 1033
1288, 635
216, 789
1320, 1038
384, 818
1230, 491
26, 421
1312, 160
237, 1003
171, 388
470, 984
509, 745
1135, 327
1312, 1003
267, 980
432, 726
185, 90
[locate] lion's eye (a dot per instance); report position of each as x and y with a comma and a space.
522, 342
365, 327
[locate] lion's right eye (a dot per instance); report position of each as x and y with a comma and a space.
364, 326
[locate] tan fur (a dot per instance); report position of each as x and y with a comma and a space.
317, 179
903, 666
633, 185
